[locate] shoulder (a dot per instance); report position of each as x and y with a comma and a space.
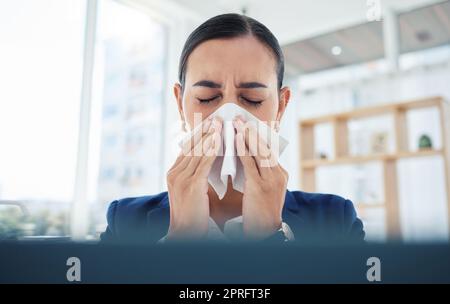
314, 202
135, 206
327, 213
129, 215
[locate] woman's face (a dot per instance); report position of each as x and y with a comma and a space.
238, 70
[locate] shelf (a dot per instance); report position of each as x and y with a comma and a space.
308, 164
369, 205
339, 123
374, 111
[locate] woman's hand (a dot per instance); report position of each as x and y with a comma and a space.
265, 182
187, 182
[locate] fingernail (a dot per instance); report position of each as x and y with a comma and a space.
237, 124
242, 118
207, 123
218, 128
216, 122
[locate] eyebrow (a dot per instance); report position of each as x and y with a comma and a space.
242, 85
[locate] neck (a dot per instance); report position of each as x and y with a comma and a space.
226, 208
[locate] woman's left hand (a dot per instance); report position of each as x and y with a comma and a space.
265, 182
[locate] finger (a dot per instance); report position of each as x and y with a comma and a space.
202, 148
248, 162
197, 136
266, 154
206, 162
268, 157
278, 171
255, 146
183, 163
194, 155
283, 171
251, 140
185, 158
180, 157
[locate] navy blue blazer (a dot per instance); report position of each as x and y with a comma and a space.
311, 216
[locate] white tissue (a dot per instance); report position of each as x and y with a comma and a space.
228, 163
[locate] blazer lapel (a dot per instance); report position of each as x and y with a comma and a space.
292, 216
158, 220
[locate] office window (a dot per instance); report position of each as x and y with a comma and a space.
41, 48
129, 92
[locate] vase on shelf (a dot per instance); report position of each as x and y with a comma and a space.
425, 142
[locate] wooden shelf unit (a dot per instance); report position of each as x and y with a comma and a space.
309, 163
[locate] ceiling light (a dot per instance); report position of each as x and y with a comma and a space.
336, 50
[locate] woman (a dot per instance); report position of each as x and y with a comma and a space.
231, 58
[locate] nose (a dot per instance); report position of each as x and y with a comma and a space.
229, 92
230, 100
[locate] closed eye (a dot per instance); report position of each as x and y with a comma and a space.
252, 102
207, 100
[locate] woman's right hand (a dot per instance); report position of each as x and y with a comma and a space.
187, 182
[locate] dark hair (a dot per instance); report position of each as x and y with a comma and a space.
231, 26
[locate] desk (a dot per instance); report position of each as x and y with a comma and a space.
45, 262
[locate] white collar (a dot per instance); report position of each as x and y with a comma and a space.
232, 230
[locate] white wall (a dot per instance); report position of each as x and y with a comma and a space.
292, 20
